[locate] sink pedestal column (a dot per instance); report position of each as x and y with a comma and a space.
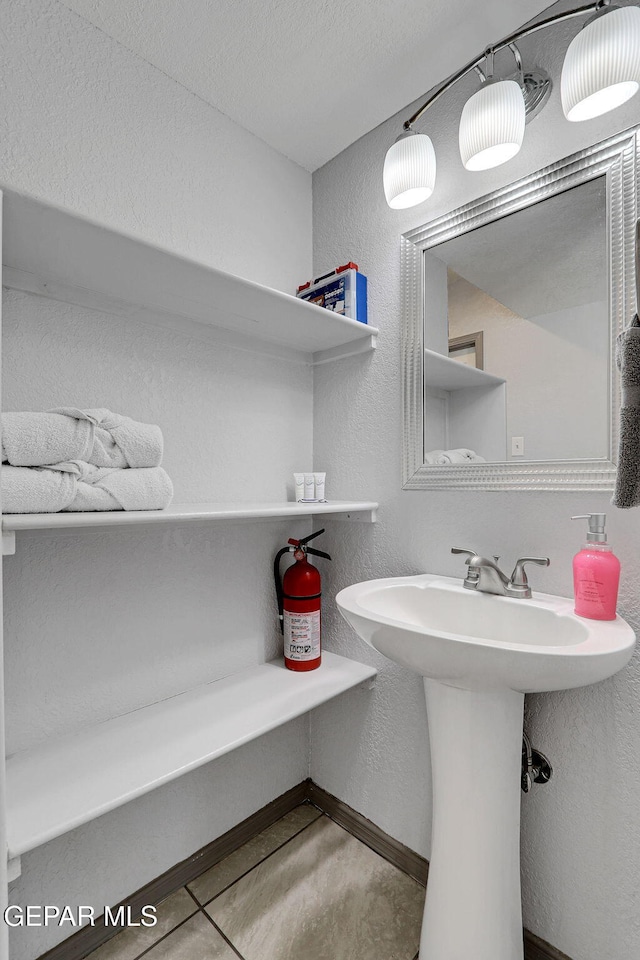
473, 908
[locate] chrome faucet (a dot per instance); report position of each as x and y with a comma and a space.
487, 577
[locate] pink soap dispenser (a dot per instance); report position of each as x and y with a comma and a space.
596, 573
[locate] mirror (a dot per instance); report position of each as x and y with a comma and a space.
511, 306
527, 313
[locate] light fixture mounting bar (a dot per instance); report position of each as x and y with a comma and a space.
507, 41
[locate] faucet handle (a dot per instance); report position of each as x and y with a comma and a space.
472, 553
519, 575
473, 575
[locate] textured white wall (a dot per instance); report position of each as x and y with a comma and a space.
98, 624
581, 833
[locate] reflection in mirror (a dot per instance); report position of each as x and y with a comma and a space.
511, 306
531, 289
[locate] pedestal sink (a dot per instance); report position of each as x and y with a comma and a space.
479, 654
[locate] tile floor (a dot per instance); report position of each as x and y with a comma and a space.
304, 889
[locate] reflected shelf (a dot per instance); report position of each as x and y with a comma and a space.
446, 374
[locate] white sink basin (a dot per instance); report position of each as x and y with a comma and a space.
480, 641
479, 654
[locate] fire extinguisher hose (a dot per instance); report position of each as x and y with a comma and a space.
279, 592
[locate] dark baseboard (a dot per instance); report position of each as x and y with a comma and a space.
367, 831
535, 948
82, 943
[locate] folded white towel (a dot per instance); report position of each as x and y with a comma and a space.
36, 489
459, 455
79, 486
98, 437
143, 488
35, 439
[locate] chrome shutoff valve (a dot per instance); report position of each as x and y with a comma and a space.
535, 766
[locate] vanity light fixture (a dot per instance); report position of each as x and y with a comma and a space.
601, 68
409, 170
601, 71
492, 121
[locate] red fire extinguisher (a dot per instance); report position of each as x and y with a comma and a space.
299, 596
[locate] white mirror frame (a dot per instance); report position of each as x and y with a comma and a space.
618, 160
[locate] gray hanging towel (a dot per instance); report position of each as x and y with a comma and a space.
627, 488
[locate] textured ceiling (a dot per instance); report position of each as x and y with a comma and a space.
307, 76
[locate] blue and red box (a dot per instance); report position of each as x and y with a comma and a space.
344, 291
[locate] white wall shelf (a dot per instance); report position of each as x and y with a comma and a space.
52, 252
60, 785
447, 374
71, 780
364, 511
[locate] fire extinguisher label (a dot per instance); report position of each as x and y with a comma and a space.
302, 635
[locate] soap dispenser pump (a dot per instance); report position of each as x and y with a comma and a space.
596, 573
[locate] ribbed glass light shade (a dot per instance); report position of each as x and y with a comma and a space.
409, 170
601, 69
492, 125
